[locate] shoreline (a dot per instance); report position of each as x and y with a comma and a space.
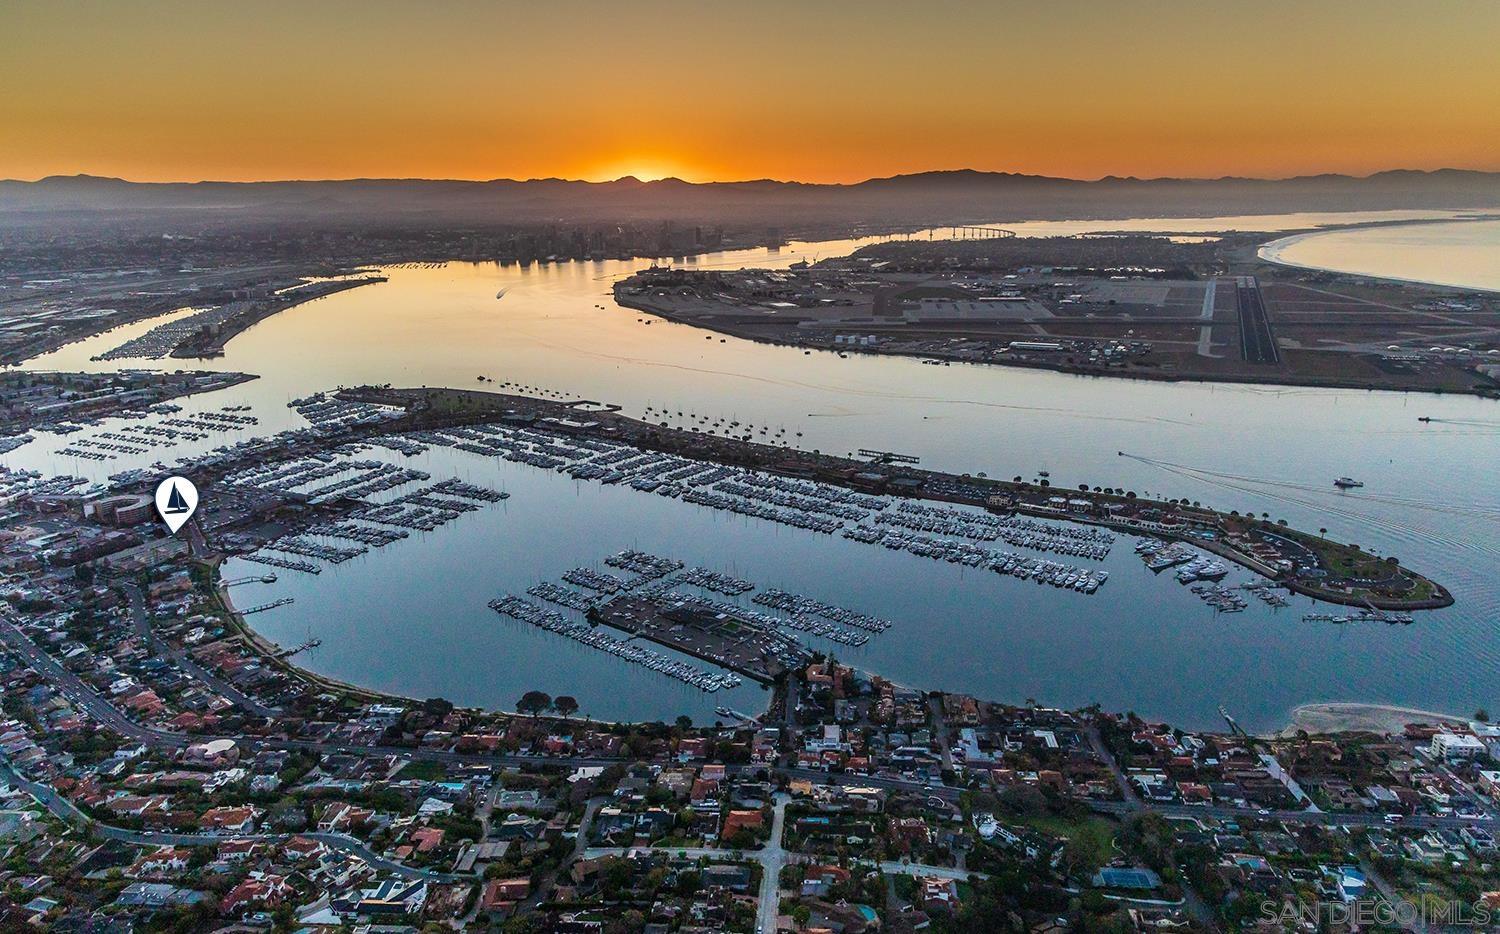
422, 413
194, 348
817, 237
1269, 251
1316, 717
1239, 379
1321, 717
269, 651
413, 398
177, 304
260, 643
229, 379
1285, 236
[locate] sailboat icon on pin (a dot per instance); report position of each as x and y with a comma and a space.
176, 502
176, 499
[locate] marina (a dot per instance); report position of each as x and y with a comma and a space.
959, 417
645, 565
1203, 573
1222, 599
1062, 576
593, 580
160, 341
288, 564
550, 621
806, 624
801, 606
802, 504
562, 596
438, 496
342, 480
136, 438
729, 640
697, 624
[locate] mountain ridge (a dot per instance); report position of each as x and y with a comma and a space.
961, 174
938, 196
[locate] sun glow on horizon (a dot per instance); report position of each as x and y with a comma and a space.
663, 89
645, 169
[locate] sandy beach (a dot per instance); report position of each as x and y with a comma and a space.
1345, 717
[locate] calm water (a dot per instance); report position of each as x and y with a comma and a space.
1466, 254
412, 618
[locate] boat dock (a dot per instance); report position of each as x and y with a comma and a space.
284, 601
552, 621
1363, 616
704, 632
298, 649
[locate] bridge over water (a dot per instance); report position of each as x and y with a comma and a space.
955, 232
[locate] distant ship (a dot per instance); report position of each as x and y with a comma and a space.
1347, 483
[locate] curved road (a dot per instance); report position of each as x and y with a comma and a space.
66, 811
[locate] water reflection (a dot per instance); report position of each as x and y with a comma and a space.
412, 617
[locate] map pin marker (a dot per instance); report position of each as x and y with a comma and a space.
176, 498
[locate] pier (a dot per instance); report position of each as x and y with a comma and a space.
284, 601
888, 457
299, 648
253, 579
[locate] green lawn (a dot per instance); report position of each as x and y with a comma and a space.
1097, 833
423, 770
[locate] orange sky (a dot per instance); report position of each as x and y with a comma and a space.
813, 90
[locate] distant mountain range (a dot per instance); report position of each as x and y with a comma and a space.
929, 197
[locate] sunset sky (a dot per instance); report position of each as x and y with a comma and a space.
809, 90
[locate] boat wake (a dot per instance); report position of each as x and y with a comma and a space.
1337, 503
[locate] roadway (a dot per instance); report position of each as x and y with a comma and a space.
109, 716
66, 811
773, 857
1321, 818
142, 618
923, 869
940, 730
106, 714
